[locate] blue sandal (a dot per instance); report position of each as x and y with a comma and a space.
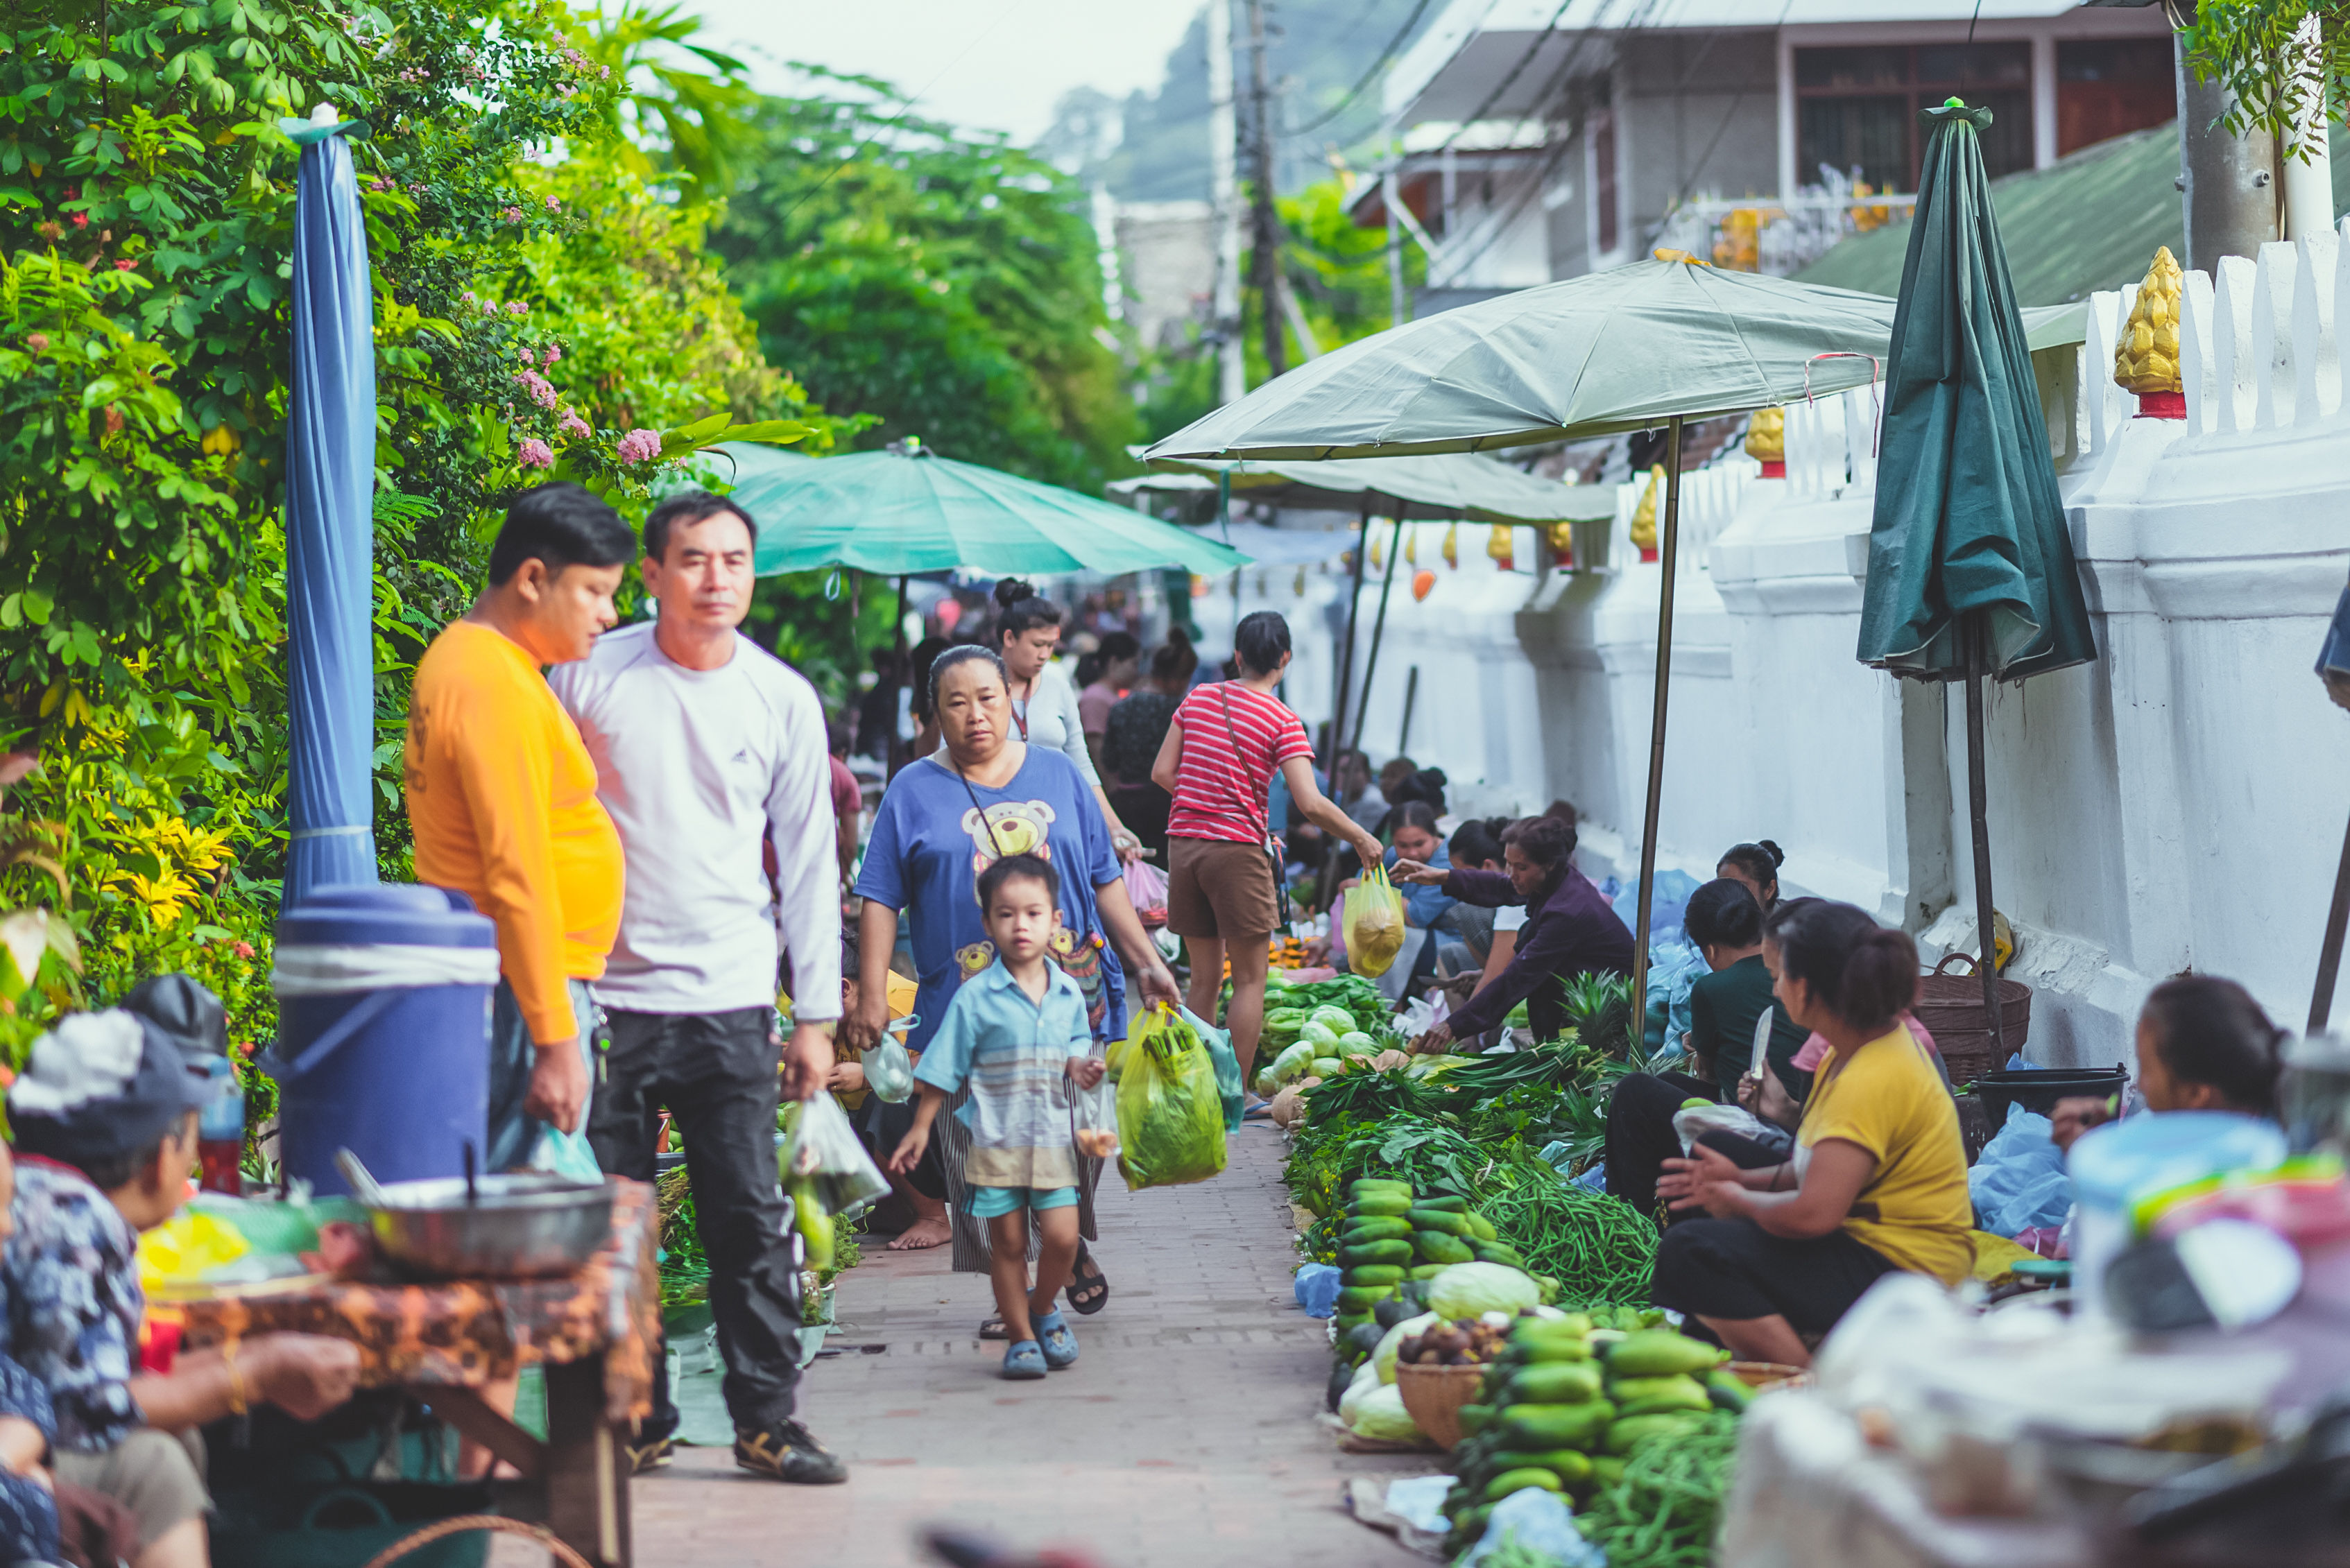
1058, 1344
1024, 1360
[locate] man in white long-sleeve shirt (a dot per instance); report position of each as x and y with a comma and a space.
707, 748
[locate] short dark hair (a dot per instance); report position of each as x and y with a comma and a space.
107, 1173
917, 671
689, 506
1032, 866
1176, 658
1723, 914
1479, 843
2211, 1031
1544, 840
1259, 640
1019, 608
1117, 645
563, 525
1865, 973
1412, 814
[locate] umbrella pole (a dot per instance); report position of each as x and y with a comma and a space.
2329, 956
1979, 823
1347, 660
1378, 626
1667, 557
897, 683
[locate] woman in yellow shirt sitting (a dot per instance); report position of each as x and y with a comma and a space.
1879, 1180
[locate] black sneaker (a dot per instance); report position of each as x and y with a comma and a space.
788, 1453
651, 1454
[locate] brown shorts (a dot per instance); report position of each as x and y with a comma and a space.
1219, 889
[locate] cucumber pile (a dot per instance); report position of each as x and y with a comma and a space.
1390, 1236
1567, 1399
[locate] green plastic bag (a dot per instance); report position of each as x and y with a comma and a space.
1171, 1121
1228, 1067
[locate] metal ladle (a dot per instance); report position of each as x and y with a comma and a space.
368, 1190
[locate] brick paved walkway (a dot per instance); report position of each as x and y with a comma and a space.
1185, 1437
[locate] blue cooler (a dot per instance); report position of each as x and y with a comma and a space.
383, 1031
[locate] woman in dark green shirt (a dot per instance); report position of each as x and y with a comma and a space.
1727, 1010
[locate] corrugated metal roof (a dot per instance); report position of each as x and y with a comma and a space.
2087, 223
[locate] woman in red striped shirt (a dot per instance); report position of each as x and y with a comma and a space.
1218, 759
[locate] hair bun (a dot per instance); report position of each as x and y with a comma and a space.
1010, 591
1778, 856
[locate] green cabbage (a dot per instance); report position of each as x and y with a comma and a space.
1367, 1378
1355, 1042
1380, 1415
1327, 1066
1471, 1290
1334, 1018
1324, 1039
1291, 1063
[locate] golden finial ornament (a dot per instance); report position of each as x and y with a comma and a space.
1501, 545
1451, 551
2145, 360
1766, 435
1644, 517
1377, 560
1410, 546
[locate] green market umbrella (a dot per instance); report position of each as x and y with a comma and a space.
1970, 569
906, 510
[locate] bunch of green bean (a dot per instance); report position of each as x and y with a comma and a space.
1599, 1248
1664, 1512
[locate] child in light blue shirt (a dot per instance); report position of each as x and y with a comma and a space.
1016, 1033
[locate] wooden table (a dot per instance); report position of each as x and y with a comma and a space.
595, 1333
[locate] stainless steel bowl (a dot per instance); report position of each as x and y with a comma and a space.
527, 1225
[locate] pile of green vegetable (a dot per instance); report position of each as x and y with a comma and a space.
1392, 1236
1599, 1248
1569, 1405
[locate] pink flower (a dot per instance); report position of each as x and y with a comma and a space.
554, 356
510, 214
541, 390
516, 307
640, 446
124, 265
81, 220
553, 205
39, 342
574, 426
243, 950
535, 453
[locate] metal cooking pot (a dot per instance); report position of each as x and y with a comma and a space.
526, 1225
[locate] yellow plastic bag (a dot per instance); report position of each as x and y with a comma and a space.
1373, 923
185, 1248
1170, 1119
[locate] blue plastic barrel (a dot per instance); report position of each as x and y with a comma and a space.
383, 1031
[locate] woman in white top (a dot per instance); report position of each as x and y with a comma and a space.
1044, 701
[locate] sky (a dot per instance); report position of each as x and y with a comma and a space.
998, 65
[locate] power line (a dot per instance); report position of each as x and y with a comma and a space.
1386, 57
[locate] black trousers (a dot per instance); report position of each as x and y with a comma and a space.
1736, 1271
717, 1075
1640, 1136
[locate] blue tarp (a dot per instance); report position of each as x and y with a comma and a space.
329, 491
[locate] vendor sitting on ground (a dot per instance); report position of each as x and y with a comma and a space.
1729, 1008
1569, 931
2203, 1044
105, 1120
1878, 1178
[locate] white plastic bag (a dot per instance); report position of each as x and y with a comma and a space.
888, 1068
1692, 1122
823, 1149
1146, 889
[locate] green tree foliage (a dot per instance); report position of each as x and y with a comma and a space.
937, 278
532, 311
2287, 62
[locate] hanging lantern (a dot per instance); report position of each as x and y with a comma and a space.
1452, 547
2145, 360
1501, 545
1411, 546
1423, 583
1561, 542
1198, 586
1644, 517
1766, 441
1376, 560
1298, 587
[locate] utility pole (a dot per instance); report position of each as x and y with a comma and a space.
2228, 184
1265, 229
2308, 171
1391, 197
1223, 138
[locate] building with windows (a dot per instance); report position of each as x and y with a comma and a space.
1543, 140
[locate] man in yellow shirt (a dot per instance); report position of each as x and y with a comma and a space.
501, 797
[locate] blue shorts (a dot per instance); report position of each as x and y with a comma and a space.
987, 1202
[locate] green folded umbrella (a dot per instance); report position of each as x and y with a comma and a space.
905, 510
1971, 570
